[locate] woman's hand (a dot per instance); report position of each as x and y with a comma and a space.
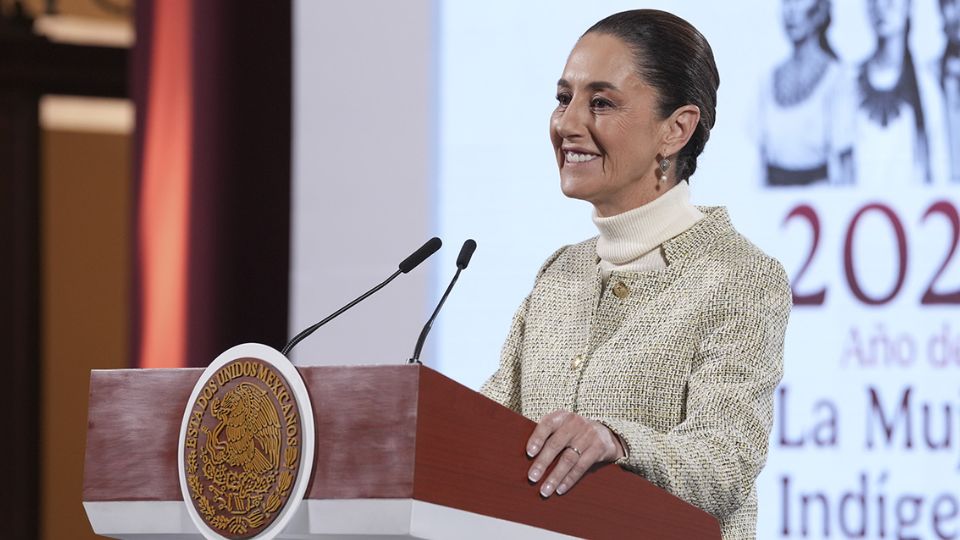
576, 444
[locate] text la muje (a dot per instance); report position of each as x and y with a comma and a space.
898, 420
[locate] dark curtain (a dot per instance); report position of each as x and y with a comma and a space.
238, 241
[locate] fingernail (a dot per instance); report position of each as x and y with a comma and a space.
534, 474
532, 449
546, 489
561, 489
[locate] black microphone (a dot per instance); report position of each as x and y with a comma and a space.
420, 255
408, 264
466, 252
463, 259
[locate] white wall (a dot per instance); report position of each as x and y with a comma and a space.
364, 103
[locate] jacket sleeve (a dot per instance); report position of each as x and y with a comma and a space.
504, 385
712, 458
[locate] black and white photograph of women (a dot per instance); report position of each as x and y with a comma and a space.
806, 105
899, 129
948, 67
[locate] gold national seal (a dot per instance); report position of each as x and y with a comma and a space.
242, 448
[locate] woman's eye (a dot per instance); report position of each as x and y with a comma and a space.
563, 99
600, 103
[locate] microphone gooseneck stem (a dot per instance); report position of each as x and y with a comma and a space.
303, 335
415, 359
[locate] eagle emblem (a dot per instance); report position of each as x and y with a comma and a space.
242, 449
252, 428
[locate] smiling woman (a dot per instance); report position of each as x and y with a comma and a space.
618, 101
658, 344
602, 130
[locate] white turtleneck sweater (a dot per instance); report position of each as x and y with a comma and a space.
632, 241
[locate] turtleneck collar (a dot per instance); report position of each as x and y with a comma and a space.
634, 234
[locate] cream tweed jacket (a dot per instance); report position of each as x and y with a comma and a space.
681, 363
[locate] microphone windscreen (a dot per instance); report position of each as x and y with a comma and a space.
466, 252
420, 255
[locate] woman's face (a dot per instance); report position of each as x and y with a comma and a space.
605, 130
888, 17
802, 18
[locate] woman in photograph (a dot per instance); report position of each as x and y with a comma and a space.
948, 71
656, 345
806, 105
893, 147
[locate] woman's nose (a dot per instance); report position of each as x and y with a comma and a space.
571, 123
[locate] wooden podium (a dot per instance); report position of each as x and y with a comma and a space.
401, 452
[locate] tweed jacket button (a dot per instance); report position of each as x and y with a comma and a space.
576, 362
620, 290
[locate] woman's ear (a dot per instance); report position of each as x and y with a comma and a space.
679, 127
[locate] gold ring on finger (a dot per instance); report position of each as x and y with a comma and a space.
577, 450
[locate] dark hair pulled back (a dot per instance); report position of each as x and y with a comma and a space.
675, 59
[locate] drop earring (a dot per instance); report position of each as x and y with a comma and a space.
664, 167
